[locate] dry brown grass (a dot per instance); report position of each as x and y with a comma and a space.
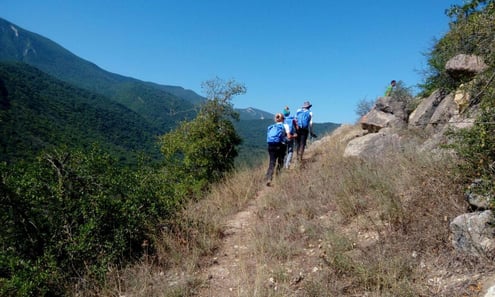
337, 227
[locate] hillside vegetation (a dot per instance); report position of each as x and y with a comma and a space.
40, 112
75, 223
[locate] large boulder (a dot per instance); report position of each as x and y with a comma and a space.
386, 113
373, 145
442, 114
390, 105
465, 65
375, 120
421, 116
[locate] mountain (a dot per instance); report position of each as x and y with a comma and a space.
38, 111
254, 114
158, 108
162, 106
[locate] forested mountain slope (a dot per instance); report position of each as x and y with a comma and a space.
162, 106
38, 111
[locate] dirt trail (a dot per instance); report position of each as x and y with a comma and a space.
233, 266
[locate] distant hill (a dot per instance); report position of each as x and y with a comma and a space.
38, 112
162, 106
251, 113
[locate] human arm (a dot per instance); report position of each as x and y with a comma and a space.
287, 132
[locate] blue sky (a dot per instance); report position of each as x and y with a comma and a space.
331, 53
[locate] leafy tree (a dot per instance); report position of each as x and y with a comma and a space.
201, 151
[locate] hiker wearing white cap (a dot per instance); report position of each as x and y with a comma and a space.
304, 127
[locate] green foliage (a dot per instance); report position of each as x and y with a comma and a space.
200, 151
471, 32
38, 112
72, 213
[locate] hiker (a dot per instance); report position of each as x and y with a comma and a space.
276, 137
390, 88
291, 137
304, 128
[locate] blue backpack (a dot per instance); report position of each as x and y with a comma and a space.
276, 133
292, 127
303, 118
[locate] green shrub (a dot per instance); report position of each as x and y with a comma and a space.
69, 215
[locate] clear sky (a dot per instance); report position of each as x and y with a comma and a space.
331, 53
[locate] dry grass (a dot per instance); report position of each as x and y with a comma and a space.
356, 228
337, 227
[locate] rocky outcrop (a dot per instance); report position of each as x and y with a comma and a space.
473, 232
387, 113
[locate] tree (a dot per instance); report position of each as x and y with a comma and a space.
201, 151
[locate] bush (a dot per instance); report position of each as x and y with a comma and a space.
69, 215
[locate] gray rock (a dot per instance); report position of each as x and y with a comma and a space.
372, 145
421, 116
473, 233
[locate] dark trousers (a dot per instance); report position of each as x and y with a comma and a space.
302, 137
276, 151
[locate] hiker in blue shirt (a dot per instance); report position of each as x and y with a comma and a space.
292, 123
276, 138
304, 128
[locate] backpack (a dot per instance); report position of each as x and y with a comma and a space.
291, 121
276, 133
303, 118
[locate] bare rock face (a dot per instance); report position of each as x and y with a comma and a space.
383, 126
421, 116
442, 114
465, 65
373, 145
